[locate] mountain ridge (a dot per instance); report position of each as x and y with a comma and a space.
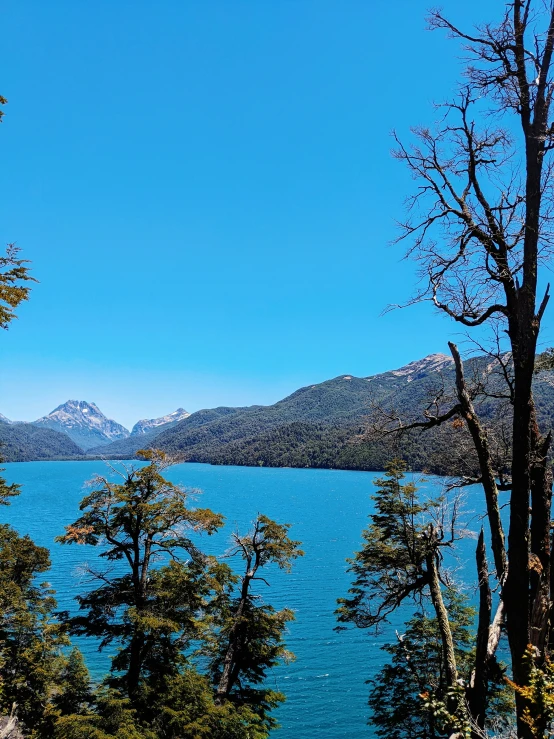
145, 425
323, 424
84, 423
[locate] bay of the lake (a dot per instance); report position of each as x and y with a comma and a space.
325, 686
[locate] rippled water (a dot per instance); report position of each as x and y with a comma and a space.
325, 686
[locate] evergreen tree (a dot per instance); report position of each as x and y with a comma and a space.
151, 614
14, 273
251, 632
408, 695
75, 687
162, 614
30, 638
400, 562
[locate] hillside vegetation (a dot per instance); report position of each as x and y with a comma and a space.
24, 442
328, 424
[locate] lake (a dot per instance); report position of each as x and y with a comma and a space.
325, 686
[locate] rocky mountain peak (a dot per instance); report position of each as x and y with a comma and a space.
418, 368
431, 363
145, 425
84, 423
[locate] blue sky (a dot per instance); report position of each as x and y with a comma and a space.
207, 195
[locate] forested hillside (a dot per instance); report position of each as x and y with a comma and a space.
25, 442
331, 424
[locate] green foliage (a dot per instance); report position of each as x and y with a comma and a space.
407, 693
75, 692
112, 718
14, 273
167, 617
30, 639
182, 706
153, 614
539, 696
390, 567
250, 633
7, 491
24, 442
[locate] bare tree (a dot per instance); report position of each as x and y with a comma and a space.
480, 224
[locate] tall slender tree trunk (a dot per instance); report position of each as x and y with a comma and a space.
228, 673
516, 590
450, 668
478, 688
488, 478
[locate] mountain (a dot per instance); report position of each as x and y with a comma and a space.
25, 442
325, 425
317, 416
3, 419
127, 448
337, 403
321, 425
155, 424
84, 423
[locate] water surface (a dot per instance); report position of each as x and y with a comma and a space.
325, 686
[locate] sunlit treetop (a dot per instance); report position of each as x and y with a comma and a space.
14, 273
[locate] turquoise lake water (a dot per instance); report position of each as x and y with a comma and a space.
325, 686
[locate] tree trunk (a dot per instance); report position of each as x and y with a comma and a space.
540, 564
481, 444
516, 590
228, 674
450, 668
138, 640
135, 663
478, 689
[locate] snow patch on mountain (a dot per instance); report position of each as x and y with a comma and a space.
413, 370
145, 425
84, 423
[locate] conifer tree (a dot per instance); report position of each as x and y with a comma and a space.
170, 604
143, 520
400, 562
251, 632
30, 638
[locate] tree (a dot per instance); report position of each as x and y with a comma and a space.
251, 633
405, 691
31, 640
75, 694
170, 610
480, 226
142, 520
401, 561
14, 273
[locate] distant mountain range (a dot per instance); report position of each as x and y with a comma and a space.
71, 431
321, 425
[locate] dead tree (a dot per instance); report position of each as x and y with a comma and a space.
481, 223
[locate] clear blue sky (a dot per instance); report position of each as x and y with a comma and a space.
206, 192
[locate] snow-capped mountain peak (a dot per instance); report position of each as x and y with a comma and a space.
431, 363
145, 425
84, 423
